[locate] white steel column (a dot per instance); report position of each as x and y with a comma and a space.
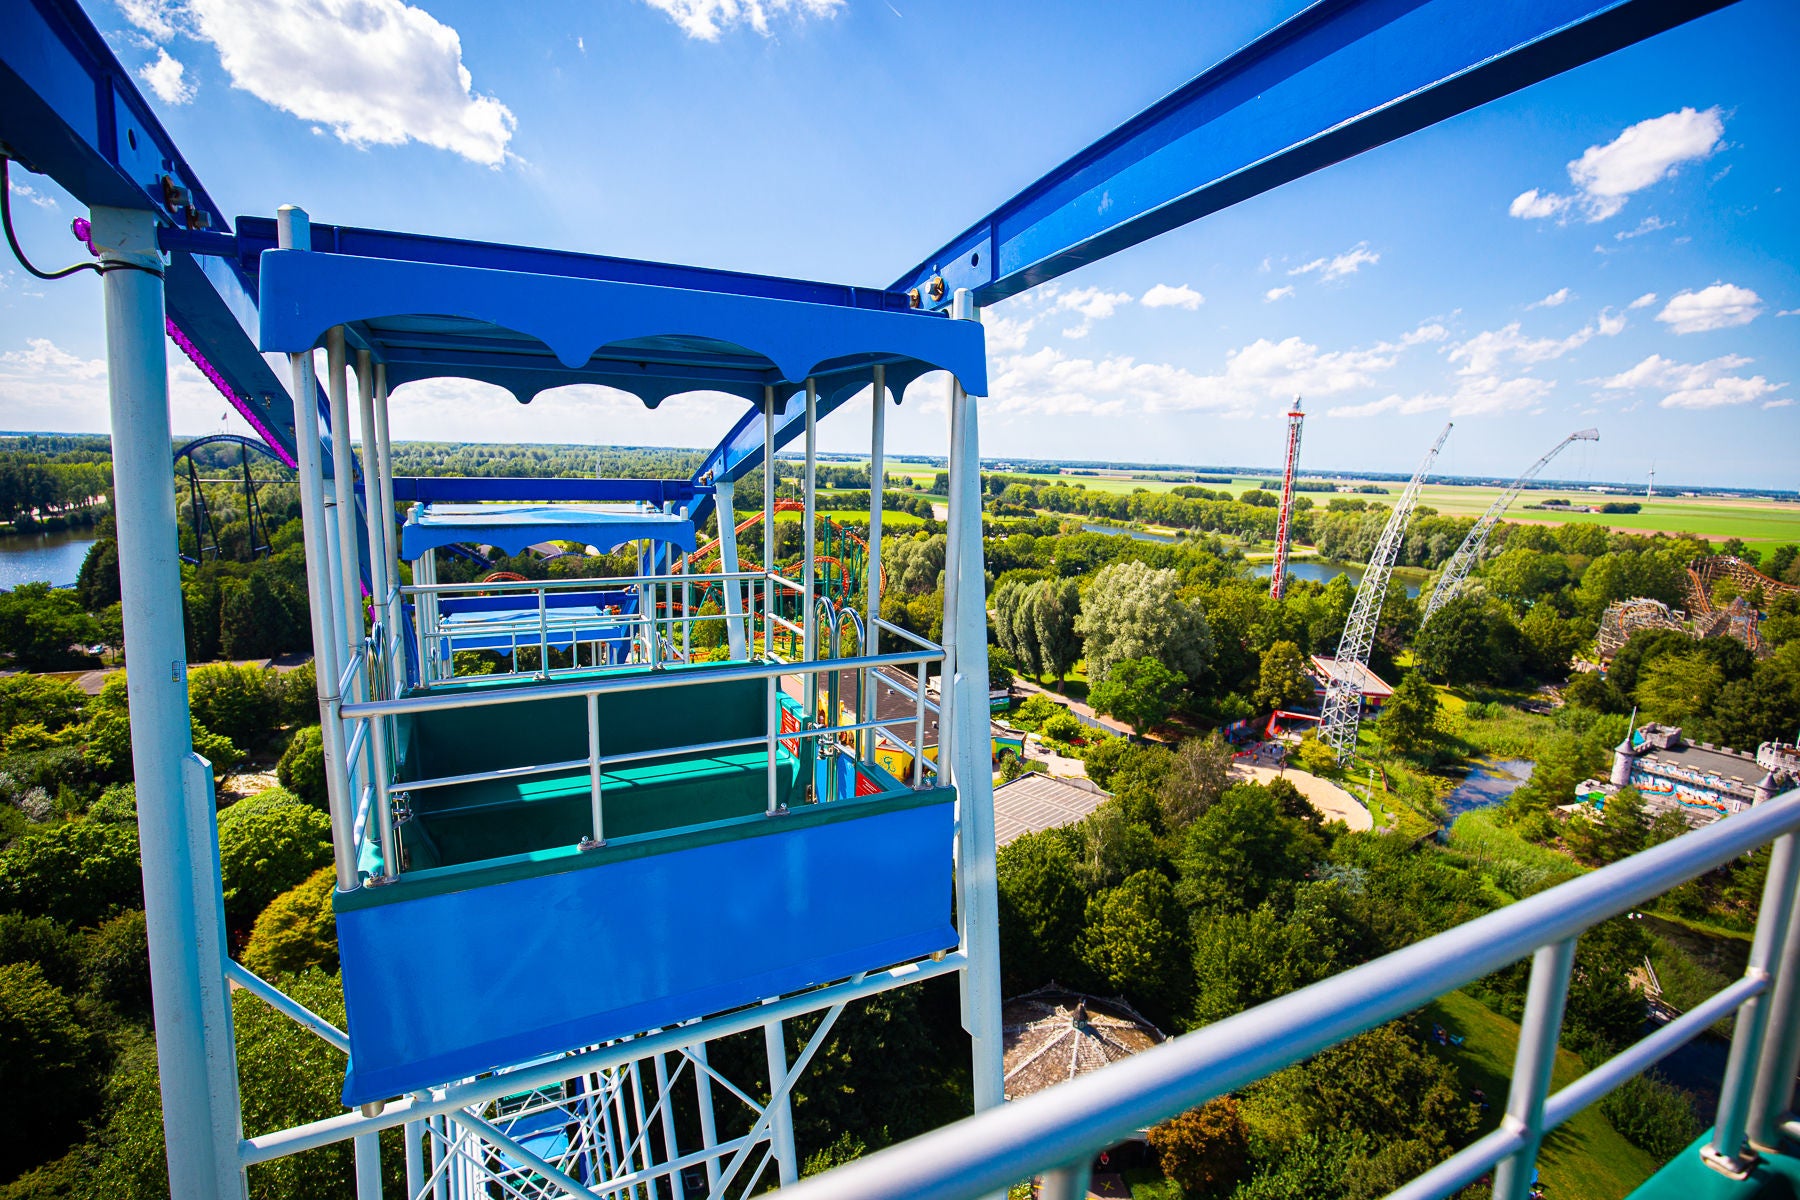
877, 471
728, 563
809, 570
294, 231
393, 613
781, 1111
709, 1121
971, 768
379, 560
343, 482
183, 909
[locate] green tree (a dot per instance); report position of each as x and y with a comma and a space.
39, 699
1205, 1150
1409, 719
302, 766
1243, 851
1055, 616
49, 1067
267, 845
45, 628
1676, 688
1138, 691
1456, 646
1282, 681
56, 949
1242, 959
119, 962
240, 703
1136, 611
1193, 779
297, 931
77, 872
1135, 943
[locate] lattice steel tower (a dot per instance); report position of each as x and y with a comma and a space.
1343, 694
1456, 571
1278, 581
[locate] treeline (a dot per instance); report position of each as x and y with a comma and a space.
36, 486
545, 461
1196, 510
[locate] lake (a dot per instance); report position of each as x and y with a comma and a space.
43, 557
1142, 535
1320, 571
1489, 781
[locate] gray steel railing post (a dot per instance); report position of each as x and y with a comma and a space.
1534, 1064
774, 719
1067, 1183
375, 735
593, 732
1727, 1151
1773, 1091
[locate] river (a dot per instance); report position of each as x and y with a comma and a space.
1142, 535
43, 557
1489, 781
1320, 571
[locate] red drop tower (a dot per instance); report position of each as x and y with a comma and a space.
1278, 581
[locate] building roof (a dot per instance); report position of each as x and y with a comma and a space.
1730, 765
1052, 1035
1032, 803
1368, 682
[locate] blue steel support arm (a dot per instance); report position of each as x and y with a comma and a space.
69, 110
1339, 78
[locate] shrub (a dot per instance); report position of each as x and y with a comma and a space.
49, 1066
267, 845
299, 694
1065, 727
1035, 711
302, 766
44, 942
297, 931
239, 703
1653, 1115
1205, 1150
77, 872
117, 805
119, 962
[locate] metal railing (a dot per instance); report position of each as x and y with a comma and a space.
1057, 1132
370, 738
661, 631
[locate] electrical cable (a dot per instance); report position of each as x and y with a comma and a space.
12, 240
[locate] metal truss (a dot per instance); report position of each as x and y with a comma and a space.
1456, 571
1342, 713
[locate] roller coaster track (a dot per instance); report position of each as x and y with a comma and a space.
1703, 573
708, 553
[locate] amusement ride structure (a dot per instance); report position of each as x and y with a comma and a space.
1341, 713
1456, 571
557, 884
1278, 577
205, 525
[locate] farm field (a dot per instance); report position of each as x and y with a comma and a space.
1756, 521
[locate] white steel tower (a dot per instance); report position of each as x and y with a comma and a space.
1343, 693
1456, 571
1278, 580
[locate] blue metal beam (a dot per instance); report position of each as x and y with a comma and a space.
1337, 79
454, 489
69, 110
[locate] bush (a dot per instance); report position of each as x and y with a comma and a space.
1065, 727
1653, 1115
299, 694
297, 931
242, 704
49, 1067
119, 962
117, 805
44, 942
302, 766
1206, 1150
1035, 711
77, 872
267, 845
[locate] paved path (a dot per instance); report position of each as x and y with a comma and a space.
1087, 715
1056, 764
1332, 801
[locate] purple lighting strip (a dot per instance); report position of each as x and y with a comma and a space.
218, 381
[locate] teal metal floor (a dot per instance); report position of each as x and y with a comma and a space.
1686, 1177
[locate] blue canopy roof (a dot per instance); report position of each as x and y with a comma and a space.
512, 527
528, 331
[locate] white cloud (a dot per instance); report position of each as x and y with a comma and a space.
1487, 351
1643, 301
1789, 312
1555, 299
1647, 225
24, 191
1277, 293
1165, 296
166, 77
45, 386
1006, 335
1339, 265
1482, 395
1693, 385
1077, 332
374, 72
1610, 323
1605, 177
1092, 304
706, 19
1782, 403
1720, 306
1534, 205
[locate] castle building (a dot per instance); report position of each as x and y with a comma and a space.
1701, 781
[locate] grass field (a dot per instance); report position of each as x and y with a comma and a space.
1586, 1159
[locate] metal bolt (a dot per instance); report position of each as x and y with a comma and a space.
937, 287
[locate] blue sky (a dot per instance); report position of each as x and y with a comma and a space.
1615, 247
